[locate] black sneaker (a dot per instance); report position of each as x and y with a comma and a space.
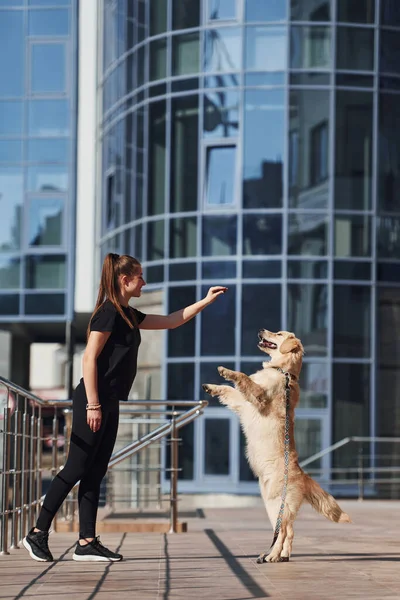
37, 545
95, 552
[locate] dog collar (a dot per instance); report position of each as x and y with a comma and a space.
286, 373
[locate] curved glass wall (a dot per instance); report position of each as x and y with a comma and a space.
256, 144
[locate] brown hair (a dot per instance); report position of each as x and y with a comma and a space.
114, 266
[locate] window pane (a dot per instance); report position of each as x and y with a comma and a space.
49, 2
352, 321
356, 12
222, 52
221, 114
11, 207
307, 269
314, 385
49, 118
48, 68
45, 272
50, 150
10, 271
389, 51
220, 176
183, 237
308, 234
351, 390
263, 153
390, 13
185, 54
216, 446
12, 115
355, 49
155, 240
9, 304
156, 158
48, 178
309, 113
49, 22
12, 53
219, 10
44, 304
255, 317
158, 59
352, 235
45, 221
310, 47
305, 11
308, 315
389, 153
181, 340
262, 234
266, 48
262, 269
351, 270
158, 16
273, 10
182, 271
10, 151
185, 14
388, 237
184, 153
218, 270
218, 325
219, 236
353, 150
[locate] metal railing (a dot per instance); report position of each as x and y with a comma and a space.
35, 437
363, 472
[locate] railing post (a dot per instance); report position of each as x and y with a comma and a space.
5, 481
16, 517
174, 477
360, 475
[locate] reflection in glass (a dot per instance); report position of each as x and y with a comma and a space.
12, 53
155, 240
389, 153
266, 48
45, 221
11, 207
309, 148
354, 146
10, 271
220, 176
390, 13
356, 12
224, 269
348, 270
310, 11
311, 78
262, 269
185, 14
48, 22
48, 150
183, 237
263, 152
11, 151
310, 47
47, 178
48, 68
44, 304
218, 325
49, 118
45, 272
262, 234
9, 304
352, 80
273, 10
158, 16
156, 158
307, 315
388, 237
307, 269
222, 52
47, 2
12, 115
185, 54
219, 236
216, 446
220, 10
355, 49
184, 153
352, 321
352, 235
257, 79
182, 271
389, 51
221, 114
181, 340
308, 234
255, 299
314, 385
158, 59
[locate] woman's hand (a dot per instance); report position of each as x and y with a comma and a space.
94, 419
214, 292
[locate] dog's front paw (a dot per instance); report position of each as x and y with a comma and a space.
211, 389
225, 373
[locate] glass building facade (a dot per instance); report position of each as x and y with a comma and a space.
38, 55
257, 145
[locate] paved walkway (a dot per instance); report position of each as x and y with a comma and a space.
215, 560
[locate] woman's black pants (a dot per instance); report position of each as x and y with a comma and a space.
88, 457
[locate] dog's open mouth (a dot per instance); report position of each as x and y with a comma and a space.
266, 344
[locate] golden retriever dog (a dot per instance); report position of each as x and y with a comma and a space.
260, 402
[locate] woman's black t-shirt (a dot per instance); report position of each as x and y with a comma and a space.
117, 362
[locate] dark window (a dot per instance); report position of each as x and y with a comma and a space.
219, 236
356, 12
262, 234
181, 340
389, 153
185, 14
216, 446
218, 325
255, 299
352, 321
319, 153
355, 49
307, 314
157, 158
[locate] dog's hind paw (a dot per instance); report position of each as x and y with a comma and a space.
264, 558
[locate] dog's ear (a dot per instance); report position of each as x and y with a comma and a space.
289, 345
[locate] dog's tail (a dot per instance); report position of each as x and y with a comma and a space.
323, 502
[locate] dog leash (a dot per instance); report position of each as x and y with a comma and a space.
285, 455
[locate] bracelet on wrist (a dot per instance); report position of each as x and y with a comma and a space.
93, 406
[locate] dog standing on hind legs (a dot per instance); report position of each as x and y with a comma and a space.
260, 402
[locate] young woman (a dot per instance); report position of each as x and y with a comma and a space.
109, 369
